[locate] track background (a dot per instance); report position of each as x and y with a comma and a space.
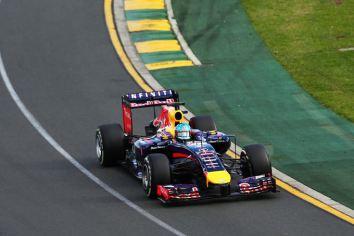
66, 72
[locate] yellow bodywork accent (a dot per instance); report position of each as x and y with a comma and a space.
171, 129
143, 4
172, 115
168, 64
218, 177
142, 25
157, 46
232, 154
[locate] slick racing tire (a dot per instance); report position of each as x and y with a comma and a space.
255, 161
110, 144
203, 123
156, 171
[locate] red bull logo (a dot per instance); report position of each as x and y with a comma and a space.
163, 119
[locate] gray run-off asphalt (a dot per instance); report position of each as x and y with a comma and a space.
63, 66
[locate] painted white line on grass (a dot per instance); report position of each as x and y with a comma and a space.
179, 36
346, 49
34, 122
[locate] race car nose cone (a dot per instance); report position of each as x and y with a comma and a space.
218, 177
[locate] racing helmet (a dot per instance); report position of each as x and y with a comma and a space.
182, 131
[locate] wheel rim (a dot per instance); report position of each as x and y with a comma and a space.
99, 147
146, 179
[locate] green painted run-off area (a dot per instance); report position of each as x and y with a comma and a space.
248, 93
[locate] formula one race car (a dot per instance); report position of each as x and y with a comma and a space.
179, 160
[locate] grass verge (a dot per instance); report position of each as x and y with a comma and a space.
305, 36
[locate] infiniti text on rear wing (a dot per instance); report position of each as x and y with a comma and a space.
147, 99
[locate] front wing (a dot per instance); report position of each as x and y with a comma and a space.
191, 192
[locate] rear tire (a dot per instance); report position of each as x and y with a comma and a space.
110, 144
255, 161
156, 171
203, 123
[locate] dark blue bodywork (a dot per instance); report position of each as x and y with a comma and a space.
204, 147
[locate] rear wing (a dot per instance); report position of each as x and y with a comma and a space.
144, 99
148, 99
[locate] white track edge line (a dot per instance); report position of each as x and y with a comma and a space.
179, 36
120, 22
34, 122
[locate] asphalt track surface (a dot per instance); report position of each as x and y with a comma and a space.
61, 62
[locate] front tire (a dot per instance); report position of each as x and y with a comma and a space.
156, 171
110, 144
255, 161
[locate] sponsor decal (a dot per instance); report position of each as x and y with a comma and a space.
209, 158
157, 147
150, 95
163, 119
196, 144
259, 176
151, 103
244, 185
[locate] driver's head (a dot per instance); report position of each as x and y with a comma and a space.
182, 132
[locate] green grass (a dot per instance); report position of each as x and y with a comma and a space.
304, 36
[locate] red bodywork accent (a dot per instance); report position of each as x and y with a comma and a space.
175, 192
162, 120
163, 192
180, 155
127, 119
